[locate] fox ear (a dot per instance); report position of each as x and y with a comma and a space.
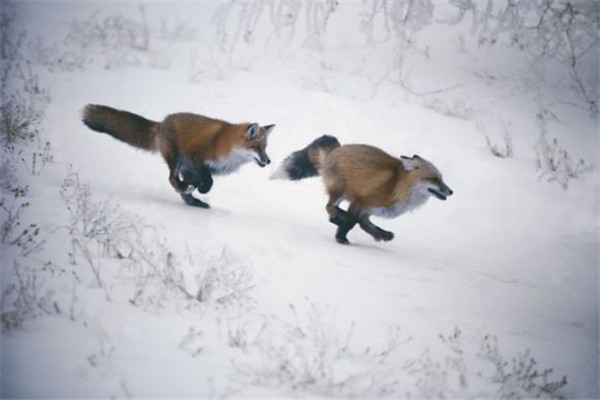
268, 129
252, 131
409, 164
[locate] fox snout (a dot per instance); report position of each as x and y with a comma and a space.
262, 160
441, 191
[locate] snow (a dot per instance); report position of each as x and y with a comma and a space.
509, 256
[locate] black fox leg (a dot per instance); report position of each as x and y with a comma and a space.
199, 178
350, 219
172, 158
343, 229
337, 216
178, 185
192, 201
373, 230
205, 181
192, 178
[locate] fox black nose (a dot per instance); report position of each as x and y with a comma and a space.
263, 161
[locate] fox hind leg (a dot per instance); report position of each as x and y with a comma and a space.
349, 220
337, 216
373, 230
173, 159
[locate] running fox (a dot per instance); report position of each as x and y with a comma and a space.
372, 181
193, 146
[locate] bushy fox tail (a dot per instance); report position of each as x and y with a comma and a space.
306, 163
127, 127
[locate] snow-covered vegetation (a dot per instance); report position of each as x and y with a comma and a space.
112, 287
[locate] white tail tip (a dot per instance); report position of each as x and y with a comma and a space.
280, 173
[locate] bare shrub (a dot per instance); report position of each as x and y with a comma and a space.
100, 230
11, 40
552, 161
58, 57
12, 208
506, 148
306, 356
154, 270
118, 41
90, 220
556, 164
37, 160
225, 280
519, 377
162, 277
26, 298
97, 229
459, 372
546, 31
237, 22
13, 204
23, 99
20, 121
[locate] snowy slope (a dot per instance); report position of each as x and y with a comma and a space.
510, 259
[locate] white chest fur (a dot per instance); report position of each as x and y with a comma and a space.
418, 197
230, 163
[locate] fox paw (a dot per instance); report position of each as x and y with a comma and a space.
194, 202
384, 235
342, 240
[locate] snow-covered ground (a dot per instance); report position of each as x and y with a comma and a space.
131, 293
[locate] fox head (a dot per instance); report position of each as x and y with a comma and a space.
255, 141
429, 179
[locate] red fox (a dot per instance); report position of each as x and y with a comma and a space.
372, 181
193, 146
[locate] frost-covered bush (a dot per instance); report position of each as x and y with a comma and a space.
308, 356
21, 112
115, 41
546, 32
162, 277
505, 149
556, 164
461, 371
120, 247
11, 39
26, 297
519, 377
553, 162
118, 40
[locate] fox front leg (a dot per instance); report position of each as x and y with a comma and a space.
199, 178
191, 179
